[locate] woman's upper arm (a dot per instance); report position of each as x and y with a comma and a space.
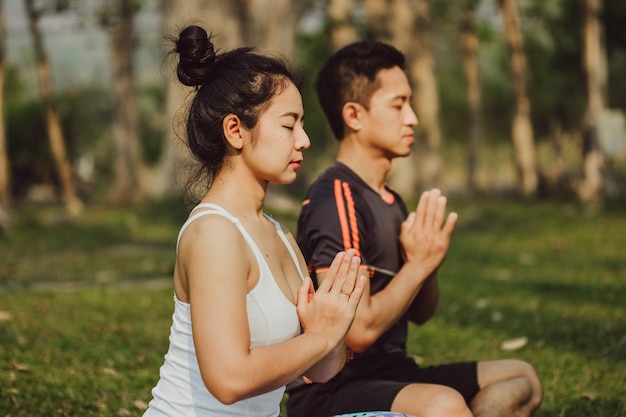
215, 260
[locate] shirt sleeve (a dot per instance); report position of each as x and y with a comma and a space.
331, 221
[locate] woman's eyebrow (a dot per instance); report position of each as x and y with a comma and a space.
295, 115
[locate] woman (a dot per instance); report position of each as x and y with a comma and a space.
246, 319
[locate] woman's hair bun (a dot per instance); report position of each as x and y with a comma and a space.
197, 56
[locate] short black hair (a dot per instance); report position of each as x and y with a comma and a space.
350, 74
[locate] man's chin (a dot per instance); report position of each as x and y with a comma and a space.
404, 154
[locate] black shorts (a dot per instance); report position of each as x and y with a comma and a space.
375, 386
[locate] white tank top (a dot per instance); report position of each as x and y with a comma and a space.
272, 319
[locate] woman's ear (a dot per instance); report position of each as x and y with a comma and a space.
352, 113
233, 130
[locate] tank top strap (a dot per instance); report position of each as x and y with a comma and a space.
283, 237
212, 209
215, 209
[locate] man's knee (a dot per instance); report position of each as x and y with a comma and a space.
430, 400
535, 384
490, 372
449, 403
510, 380
528, 372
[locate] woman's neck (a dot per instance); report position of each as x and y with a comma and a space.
242, 198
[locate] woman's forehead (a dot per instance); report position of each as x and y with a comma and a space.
287, 101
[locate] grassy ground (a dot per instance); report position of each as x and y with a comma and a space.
85, 306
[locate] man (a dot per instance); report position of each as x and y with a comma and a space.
366, 97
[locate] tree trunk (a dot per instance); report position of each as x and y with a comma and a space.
73, 204
469, 48
127, 187
342, 30
5, 171
590, 191
523, 140
271, 24
378, 17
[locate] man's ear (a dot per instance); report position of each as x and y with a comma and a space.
233, 130
352, 113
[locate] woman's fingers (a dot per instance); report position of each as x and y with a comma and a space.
349, 281
338, 271
332, 272
357, 292
303, 295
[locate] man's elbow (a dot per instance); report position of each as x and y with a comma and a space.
322, 379
362, 341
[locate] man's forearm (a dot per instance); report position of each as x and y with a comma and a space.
425, 303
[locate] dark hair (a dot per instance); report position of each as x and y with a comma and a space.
239, 82
350, 74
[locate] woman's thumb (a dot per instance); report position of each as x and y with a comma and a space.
303, 293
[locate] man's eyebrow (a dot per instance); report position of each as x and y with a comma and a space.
403, 97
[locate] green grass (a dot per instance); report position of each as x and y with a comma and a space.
93, 347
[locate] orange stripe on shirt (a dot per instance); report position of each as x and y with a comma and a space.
341, 211
354, 227
363, 268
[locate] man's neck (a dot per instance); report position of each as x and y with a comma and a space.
372, 169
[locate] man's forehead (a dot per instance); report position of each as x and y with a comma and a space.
393, 83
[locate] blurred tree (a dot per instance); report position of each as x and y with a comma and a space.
5, 180
272, 24
554, 57
127, 187
590, 191
522, 131
613, 18
342, 27
71, 201
469, 49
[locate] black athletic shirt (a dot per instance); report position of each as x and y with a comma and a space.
341, 212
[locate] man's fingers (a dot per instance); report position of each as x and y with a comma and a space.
427, 207
448, 228
431, 209
420, 212
440, 212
